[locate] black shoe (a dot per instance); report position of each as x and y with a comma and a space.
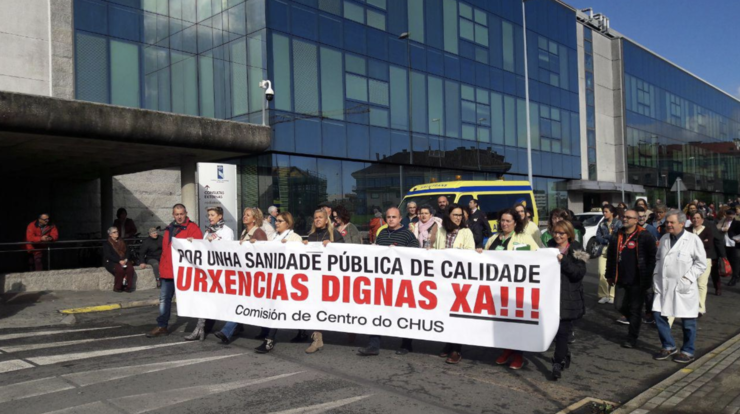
445, 352
159, 283
630, 343
224, 339
732, 282
301, 337
403, 351
368, 351
664, 354
557, 369
266, 346
567, 360
572, 338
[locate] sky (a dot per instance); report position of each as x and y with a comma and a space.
700, 36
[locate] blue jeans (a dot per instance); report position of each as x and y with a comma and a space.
229, 329
666, 339
166, 292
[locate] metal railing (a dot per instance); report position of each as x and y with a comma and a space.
87, 249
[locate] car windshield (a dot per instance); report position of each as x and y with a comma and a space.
589, 220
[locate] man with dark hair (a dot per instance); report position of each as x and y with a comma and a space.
180, 228
442, 203
478, 223
393, 235
630, 261
643, 222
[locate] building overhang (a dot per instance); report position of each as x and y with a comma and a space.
57, 138
603, 187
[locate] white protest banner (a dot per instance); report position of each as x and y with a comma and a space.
494, 299
217, 188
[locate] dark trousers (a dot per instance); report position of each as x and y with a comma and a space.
733, 255
565, 330
154, 263
120, 273
634, 297
715, 276
36, 261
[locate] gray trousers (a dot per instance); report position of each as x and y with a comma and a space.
154, 263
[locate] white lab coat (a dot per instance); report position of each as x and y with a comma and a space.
225, 234
676, 274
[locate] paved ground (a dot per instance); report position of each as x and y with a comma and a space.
103, 364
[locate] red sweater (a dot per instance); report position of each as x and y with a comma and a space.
190, 230
34, 233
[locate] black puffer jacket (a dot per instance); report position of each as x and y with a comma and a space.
572, 270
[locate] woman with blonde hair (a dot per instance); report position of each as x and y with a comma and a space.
321, 231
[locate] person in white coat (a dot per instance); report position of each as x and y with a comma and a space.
217, 230
681, 261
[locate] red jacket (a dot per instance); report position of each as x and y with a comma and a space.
34, 233
187, 229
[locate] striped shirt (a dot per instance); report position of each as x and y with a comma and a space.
401, 237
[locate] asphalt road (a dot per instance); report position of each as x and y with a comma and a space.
104, 364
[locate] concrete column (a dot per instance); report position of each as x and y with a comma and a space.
106, 204
189, 190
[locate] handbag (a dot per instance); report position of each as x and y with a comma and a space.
723, 267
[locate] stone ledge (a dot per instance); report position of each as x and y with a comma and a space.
91, 279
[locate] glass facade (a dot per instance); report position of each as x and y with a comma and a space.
359, 115
679, 126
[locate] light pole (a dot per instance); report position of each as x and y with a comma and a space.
526, 95
405, 36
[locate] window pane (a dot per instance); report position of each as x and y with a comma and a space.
450, 25
467, 31
497, 118
467, 92
436, 106
376, 19
207, 103
377, 3
416, 20
239, 89
184, 85
355, 64
484, 134
468, 132
332, 87
331, 6
509, 121
356, 87
281, 71
399, 98
507, 40
354, 12
452, 109
466, 11
306, 78
481, 35
91, 63
419, 102
481, 17
378, 117
468, 111
378, 92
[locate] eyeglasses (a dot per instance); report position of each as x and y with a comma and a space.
630, 218
559, 233
456, 215
44, 219
279, 221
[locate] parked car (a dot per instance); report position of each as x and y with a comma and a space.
591, 222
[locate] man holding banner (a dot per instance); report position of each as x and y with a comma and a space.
180, 228
393, 235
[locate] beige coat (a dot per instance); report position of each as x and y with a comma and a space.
464, 239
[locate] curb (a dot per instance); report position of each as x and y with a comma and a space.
111, 306
636, 403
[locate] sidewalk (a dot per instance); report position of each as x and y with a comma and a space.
711, 384
31, 309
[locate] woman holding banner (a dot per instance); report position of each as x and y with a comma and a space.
426, 228
216, 230
511, 237
324, 232
283, 233
572, 306
252, 220
453, 234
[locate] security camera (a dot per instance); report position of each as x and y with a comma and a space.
269, 92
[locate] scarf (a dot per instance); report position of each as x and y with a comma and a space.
119, 246
173, 229
213, 229
424, 230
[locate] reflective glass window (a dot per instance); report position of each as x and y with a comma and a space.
332, 87
354, 12
305, 76
376, 19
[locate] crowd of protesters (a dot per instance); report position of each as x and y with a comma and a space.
654, 264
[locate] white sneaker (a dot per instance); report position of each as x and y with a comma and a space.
611, 300
603, 300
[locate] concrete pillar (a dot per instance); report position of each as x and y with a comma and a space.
189, 189
106, 204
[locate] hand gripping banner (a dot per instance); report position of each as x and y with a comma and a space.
493, 299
